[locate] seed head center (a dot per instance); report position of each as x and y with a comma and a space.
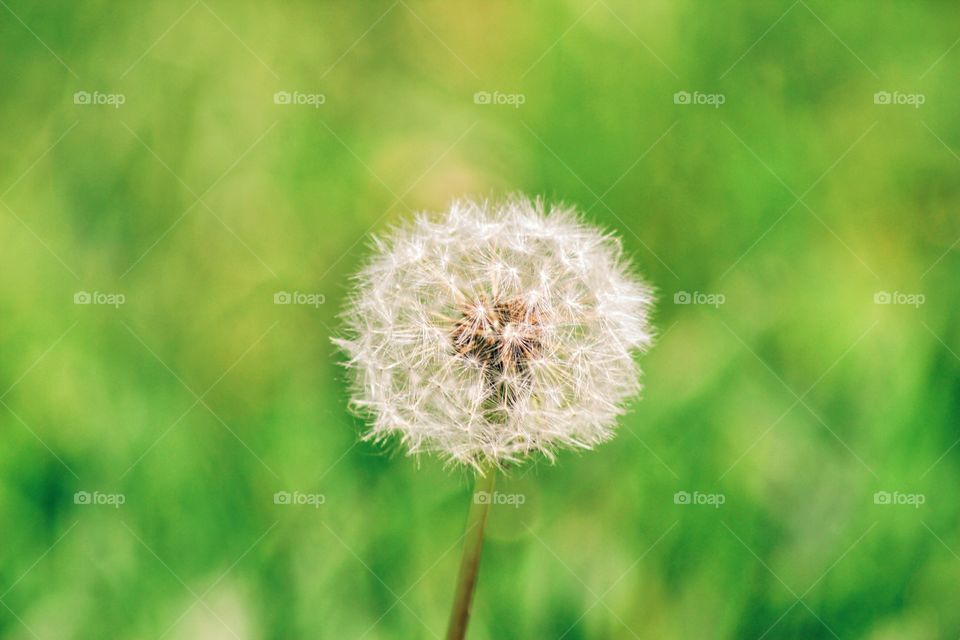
501, 335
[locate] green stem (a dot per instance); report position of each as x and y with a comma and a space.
470, 562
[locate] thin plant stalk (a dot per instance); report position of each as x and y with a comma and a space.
470, 562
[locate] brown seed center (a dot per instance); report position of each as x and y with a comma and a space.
501, 335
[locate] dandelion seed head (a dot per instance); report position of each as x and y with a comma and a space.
494, 331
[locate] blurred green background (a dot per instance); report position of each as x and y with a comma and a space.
198, 158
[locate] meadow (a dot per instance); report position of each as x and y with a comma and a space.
187, 187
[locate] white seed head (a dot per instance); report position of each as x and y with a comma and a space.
495, 331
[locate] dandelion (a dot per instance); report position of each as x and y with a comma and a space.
491, 333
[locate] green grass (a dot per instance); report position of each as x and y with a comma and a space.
798, 200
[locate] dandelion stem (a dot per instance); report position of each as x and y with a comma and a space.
470, 562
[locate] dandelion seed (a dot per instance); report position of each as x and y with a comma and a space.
495, 331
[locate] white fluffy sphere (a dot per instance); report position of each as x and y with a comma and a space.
494, 331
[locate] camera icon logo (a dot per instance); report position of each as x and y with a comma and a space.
882, 497
882, 97
482, 97
681, 97
483, 497
81, 497
881, 297
282, 97
282, 497
682, 297
282, 297
82, 297
681, 497
81, 97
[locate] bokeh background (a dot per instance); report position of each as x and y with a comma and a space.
791, 471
